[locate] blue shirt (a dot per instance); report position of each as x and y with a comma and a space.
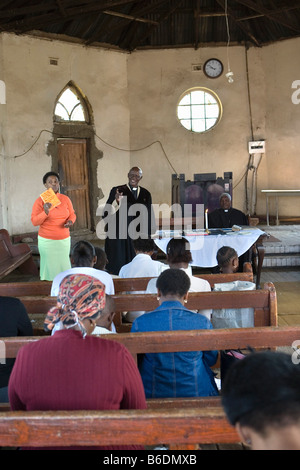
180, 374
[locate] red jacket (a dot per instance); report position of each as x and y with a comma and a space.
69, 372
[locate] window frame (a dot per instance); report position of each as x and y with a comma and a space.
218, 102
82, 102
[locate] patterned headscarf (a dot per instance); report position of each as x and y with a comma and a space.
79, 297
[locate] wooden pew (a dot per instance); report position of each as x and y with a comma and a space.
263, 301
180, 423
140, 283
166, 403
15, 256
38, 288
25, 288
180, 429
189, 340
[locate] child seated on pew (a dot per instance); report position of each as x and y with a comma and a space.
228, 260
104, 323
228, 263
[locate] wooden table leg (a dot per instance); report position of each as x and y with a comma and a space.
260, 259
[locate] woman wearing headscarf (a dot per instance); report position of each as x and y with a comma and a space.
73, 370
54, 223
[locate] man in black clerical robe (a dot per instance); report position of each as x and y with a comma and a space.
132, 216
225, 217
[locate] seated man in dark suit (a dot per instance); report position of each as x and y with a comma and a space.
226, 216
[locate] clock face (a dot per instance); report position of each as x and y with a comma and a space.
213, 68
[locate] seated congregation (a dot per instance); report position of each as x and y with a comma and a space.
101, 374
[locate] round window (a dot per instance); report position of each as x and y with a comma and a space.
199, 109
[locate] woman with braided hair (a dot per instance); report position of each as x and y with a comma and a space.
72, 369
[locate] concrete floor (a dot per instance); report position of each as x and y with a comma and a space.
282, 267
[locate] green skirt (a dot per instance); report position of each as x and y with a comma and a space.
54, 257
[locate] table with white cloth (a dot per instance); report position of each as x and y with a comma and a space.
204, 246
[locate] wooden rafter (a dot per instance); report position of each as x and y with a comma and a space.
271, 14
162, 18
129, 17
72, 12
129, 24
137, 14
241, 26
196, 23
132, 31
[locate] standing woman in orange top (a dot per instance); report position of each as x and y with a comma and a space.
54, 240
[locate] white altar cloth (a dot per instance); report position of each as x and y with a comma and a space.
204, 247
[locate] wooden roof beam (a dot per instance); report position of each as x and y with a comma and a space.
129, 17
244, 28
136, 12
162, 18
72, 13
149, 9
270, 14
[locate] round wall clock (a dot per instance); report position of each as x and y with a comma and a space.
213, 68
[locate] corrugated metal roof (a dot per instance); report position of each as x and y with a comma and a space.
134, 24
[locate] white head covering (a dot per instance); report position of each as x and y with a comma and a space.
225, 194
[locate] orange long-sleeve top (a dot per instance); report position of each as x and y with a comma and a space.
52, 225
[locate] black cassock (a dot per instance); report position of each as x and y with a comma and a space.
134, 217
221, 218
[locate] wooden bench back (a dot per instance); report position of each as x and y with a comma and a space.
15, 256
34, 288
166, 403
189, 340
264, 303
180, 429
4, 251
140, 283
21, 289
8, 250
180, 423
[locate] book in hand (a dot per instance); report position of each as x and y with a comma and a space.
50, 196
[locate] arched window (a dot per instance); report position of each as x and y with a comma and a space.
70, 106
199, 109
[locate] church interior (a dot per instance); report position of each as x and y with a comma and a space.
202, 95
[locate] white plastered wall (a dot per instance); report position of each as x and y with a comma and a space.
32, 87
256, 106
134, 99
